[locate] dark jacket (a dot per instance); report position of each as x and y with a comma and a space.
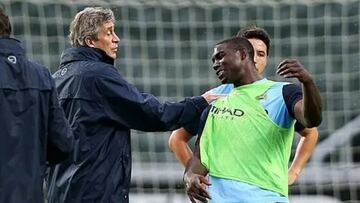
102, 108
33, 128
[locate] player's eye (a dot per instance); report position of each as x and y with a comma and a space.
220, 56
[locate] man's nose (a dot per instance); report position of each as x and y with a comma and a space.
116, 39
216, 66
255, 59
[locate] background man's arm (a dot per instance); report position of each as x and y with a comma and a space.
178, 144
305, 148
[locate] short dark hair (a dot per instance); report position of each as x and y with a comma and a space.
238, 43
5, 26
252, 31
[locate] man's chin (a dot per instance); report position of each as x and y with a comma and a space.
223, 81
113, 56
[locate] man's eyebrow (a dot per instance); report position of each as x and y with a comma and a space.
110, 27
216, 54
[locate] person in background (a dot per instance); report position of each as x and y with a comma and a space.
34, 130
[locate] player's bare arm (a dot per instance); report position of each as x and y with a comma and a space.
195, 178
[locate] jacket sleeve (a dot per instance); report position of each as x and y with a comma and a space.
60, 139
126, 105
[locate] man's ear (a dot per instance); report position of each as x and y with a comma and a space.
243, 54
89, 42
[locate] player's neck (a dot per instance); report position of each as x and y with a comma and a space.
249, 77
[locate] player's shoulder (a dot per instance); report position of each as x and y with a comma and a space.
289, 93
223, 89
284, 91
291, 88
277, 83
284, 86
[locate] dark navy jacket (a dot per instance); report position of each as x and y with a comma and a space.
102, 108
33, 128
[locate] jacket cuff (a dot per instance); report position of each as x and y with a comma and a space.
199, 102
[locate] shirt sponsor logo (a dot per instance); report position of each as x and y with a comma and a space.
226, 113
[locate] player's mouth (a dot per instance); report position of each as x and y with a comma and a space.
220, 73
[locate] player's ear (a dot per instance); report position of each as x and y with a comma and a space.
243, 53
89, 42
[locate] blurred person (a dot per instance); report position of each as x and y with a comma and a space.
34, 130
260, 40
102, 107
242, 143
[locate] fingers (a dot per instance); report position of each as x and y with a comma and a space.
198, 194
286, 61
204, 180
288, 65
191, 198
290, 72
217, 96
203, 183
209, 96
197, 189
292, 68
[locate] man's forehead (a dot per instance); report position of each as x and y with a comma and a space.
220, 47
258, 44
108, 24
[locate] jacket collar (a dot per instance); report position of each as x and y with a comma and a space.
84, 53
11, 46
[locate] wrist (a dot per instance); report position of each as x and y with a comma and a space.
308, 81
295, 172
186, 176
